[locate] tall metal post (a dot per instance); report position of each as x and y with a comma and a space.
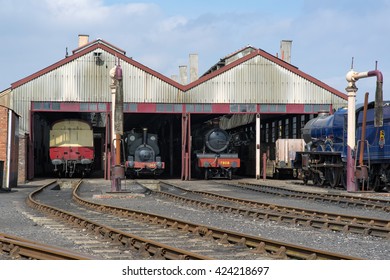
117, 170
351, 90
258, 159
352, 77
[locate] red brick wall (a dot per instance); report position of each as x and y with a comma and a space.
22, 167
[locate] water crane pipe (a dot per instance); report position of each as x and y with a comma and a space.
352, 77
363, 137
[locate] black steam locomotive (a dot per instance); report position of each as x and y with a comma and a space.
143, 154
214, 154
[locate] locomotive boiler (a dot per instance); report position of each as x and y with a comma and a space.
142, 154
325, 156
71, 147
214, 154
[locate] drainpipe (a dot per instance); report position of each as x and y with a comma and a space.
351, 89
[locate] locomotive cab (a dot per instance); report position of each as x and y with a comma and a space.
71, 147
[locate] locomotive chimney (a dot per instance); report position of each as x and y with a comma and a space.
145, 136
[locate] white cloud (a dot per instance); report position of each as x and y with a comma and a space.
172, 23
64, 10
325, 34
92, 11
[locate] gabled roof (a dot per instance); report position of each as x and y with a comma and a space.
97, 44
102, 42
248, 52
223, 67
230, 58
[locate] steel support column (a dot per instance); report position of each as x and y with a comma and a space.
186, 147
258, 158
351, 186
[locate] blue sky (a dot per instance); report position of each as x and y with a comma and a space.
160, 34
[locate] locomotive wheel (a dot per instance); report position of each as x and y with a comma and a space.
344, 179
333, 176
306, 177
317, 180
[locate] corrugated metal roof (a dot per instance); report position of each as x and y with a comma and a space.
256, 78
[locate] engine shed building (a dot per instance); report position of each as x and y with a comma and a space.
249, 89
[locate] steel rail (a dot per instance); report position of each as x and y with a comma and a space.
259, 245
144, 246
291, 215
364, 202
19, 248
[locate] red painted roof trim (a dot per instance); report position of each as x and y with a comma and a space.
99, 41
272, 58
52, 67
86, 50
121, 55
295, 70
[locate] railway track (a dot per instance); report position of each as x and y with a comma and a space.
204, 242
109, 242
281, 214
340, 199
20, 248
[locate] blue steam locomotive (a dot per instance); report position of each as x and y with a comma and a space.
325, 155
